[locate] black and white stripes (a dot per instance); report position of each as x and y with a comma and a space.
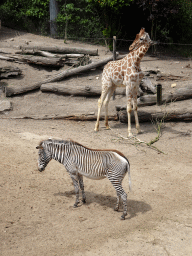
81, 161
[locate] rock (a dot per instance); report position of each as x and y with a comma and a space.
5, 105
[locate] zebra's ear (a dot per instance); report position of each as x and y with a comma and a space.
39, 147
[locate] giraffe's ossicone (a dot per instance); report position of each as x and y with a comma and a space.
125, 72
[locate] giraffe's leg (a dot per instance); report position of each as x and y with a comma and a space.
129, 109
100, 103
75, 180
106, 103
135, 114
80, 177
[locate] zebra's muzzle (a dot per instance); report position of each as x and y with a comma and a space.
41, 169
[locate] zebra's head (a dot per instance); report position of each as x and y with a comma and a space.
44, 156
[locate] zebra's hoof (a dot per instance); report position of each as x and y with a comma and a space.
116, 209
122, 217
75, 205
84, 201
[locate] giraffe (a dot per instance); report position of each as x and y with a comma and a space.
125, 72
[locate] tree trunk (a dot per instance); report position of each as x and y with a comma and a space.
53, 9
64, 50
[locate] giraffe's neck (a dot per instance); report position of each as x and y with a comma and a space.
137, 55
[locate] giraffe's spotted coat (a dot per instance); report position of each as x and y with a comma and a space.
125, 72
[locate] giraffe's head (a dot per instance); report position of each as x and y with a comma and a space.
141, 39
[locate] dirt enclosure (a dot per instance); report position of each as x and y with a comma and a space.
37, 215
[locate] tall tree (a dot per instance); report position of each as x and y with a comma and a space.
157, 10
53, 9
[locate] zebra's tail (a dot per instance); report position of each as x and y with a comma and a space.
129, 175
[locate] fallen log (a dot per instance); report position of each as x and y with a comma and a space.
38, 60
36, 52
8, 71
11, 90
52, 62
83, 61
75, 117
179, 94
57, 49
63, 89
48, 54
85, 91
7, 58
4, 57
173, 112
168, 77
147, 83
70, 55
147, 117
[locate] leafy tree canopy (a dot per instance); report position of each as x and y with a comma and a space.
115, 4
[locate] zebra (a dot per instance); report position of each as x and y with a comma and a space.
82, 161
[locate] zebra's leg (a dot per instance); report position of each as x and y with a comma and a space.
81, 184
75, 180
116, 182
117, 204
121, 193
124, 199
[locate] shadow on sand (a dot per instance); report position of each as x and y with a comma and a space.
134, 207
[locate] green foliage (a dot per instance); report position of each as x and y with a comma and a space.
80, 18
38, 9
180, 25
171, 20
166, 20
111, 16
115, 4
25, 14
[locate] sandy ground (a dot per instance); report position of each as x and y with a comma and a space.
37, 215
